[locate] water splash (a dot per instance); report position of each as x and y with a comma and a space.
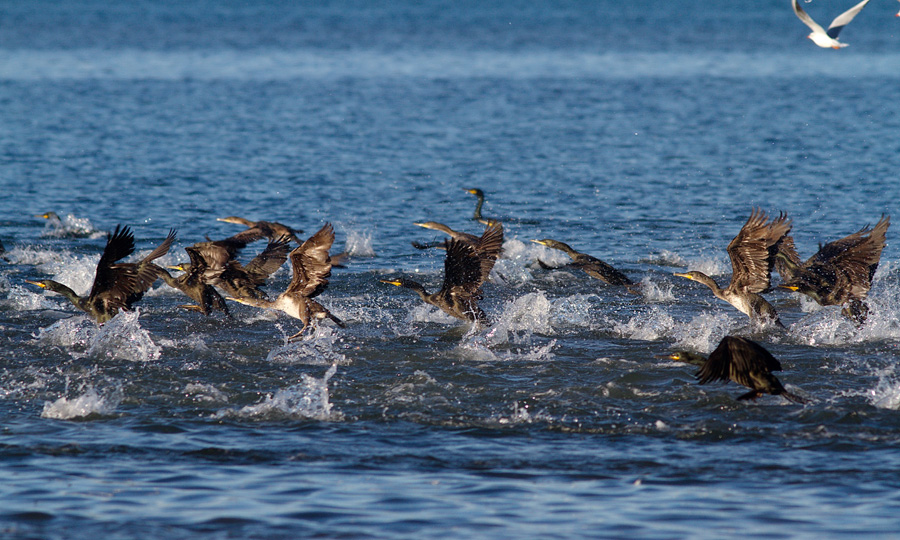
84, 405
701, 334
204, 393
307, 400
70, 226
317, 348
657, 292
121, 338
359, 244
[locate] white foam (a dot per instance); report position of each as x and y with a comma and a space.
88, 403
317, 348
120, 338
204, 393
71, 226
306, 400
657, 292
123, 338
359, 243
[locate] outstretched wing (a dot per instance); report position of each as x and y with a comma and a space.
807, 20
119, 245
488, 249
852, 260
734, 359
312, 265
266, 263
462, 269
843, 19
752, 251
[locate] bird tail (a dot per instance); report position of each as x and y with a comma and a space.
337, 321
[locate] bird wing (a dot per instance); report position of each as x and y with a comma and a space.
807, 20
852, 260
463, 269
312, 265
488, 249
752, 251
843, 19
119, 245
147, 272
270, 260
785, 248
734, 359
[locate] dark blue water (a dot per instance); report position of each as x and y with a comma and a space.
642, 133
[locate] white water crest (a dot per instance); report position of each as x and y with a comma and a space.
90, 402
658, 292
358, 243
123, 338
120, 338
70, 226
316, 348
306, 400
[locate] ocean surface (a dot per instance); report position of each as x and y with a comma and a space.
643, 133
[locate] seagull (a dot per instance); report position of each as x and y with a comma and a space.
828, 39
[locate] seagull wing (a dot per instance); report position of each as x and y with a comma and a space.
807, 20
843, 19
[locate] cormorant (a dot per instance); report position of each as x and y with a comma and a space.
116, 285
263, 229
466, 268
752, 254
840, 272
312, 268
477, 215
742, 361
219, 267
592, 266
457, 235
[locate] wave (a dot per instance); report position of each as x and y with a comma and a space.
306, 400
281, 64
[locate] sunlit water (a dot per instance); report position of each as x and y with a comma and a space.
641, 133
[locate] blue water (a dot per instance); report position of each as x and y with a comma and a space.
640, 132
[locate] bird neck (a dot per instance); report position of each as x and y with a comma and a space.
59, 288
709, 282
478, 206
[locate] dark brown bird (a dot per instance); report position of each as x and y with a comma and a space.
312, 268
262, 229
840, 273
466, 268
116, 285
592, 266
752, 253
742, 361
219, 267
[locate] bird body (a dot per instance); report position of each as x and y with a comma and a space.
745, 362
827, 39
311, 270
593, 266
263, 229
466, 268
840, 272
213, 263
116, 285
752, 253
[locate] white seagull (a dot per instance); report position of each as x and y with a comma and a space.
828, 39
